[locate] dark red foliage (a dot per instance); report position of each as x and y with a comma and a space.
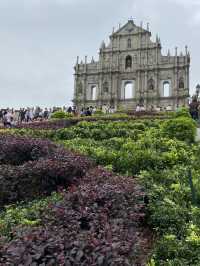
16, 150
54, 124
146, 113
100, 222
63, 123
31, 168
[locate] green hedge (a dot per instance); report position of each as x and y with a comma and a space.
182, 128
61, 115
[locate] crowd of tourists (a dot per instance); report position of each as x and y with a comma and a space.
12, 117
106, 109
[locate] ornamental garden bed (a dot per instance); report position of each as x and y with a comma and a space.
164, 156
64, 123
98, 218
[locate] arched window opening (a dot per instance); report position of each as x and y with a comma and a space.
166, 89
105, 87
93, 93
151, 84
181, 83
128, 90
128, 61
129, 43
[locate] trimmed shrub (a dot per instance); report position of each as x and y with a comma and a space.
60, 115
70, 121
99, 112
18, 150
100, 222
36, 179
183, 112
32, 168
181, 128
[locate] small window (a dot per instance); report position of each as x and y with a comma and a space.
128, 61
128, 90
166, 89
93, 93
129, 43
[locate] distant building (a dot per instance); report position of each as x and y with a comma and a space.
132, 70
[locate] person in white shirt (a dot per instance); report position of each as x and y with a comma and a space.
157, 109
31, 114
104, 108
142, 108
8, 117
138, 109
169, 108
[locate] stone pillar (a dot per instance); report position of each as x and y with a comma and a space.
85, 68
85, 90
101, 66
156, 56
85, 81
145, 88
157, 86
187, 78
117, 94
175, 89
100, 92
75, 89
138, 92
115, 85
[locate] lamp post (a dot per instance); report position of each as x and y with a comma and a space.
197, 90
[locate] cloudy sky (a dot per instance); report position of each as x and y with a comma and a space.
40, 39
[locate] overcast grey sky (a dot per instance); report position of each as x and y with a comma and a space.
40, 39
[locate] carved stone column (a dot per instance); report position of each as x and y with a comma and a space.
138, 91
157, 87
85, 90
145, 88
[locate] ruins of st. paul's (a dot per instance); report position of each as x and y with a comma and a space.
132, 70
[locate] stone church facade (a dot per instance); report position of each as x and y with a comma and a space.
132, 70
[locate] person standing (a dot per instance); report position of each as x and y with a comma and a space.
8, 118
138, 109
194, 109
46, 114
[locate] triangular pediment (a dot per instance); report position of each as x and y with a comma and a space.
129, 28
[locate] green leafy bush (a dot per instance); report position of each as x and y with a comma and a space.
99, 112
182, 112
25, 214
181, 128
160, 153
60, 115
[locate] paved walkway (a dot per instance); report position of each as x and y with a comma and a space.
198, 134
